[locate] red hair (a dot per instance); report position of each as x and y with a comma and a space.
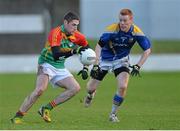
126, 12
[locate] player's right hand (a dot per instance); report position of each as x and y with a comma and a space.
83, 73
94, 71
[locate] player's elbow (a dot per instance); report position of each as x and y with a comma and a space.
75, 90
55, 56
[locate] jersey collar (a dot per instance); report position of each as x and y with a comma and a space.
64, 31
62, 28
129, 31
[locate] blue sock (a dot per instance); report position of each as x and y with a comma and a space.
117, 101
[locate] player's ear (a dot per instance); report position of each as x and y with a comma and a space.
131, 18
65, 22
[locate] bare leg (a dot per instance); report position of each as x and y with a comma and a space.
71, 88
122, 79
91, 90
41, 86
92, 85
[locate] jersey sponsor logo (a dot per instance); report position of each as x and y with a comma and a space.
130, 40
120, 44
66, 46
71, 45
62, 58
123, 42
123, 39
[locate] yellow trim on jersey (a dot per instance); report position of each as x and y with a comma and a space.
116, 27
137, 31
72, 37
64, 35
112, 28
47, 46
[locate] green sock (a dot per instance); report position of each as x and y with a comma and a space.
49, 106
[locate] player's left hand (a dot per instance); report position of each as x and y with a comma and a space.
83, 73
95, 71
135, 70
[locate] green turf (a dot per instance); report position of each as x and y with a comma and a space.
158, 46
152, 102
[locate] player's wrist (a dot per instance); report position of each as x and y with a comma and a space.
85, 68
73, 51
96, 67
137, 66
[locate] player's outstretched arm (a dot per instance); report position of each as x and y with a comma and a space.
136, 68
144, 57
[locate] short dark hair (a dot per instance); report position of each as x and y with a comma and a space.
71, 16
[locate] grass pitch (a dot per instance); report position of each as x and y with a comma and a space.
152, 102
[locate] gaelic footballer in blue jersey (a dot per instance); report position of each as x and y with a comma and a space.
112, 52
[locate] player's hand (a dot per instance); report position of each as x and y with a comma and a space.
83, 73
94, 71
79, 50
135, 70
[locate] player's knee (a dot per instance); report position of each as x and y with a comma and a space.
78, 88
123, 86
122, 91
38, 92
75, 89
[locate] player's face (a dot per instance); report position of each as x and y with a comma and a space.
125, 22
72, 26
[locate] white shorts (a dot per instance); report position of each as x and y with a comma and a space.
112, 65
55, 74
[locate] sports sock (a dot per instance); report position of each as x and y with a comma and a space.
90, 94
117, 101
51, 105
19, 114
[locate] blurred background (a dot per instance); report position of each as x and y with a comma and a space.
152, 102
24, 26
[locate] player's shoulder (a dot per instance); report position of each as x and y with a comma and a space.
55, 32
56, 29
137, 31
79, 35
112, 28
79, 38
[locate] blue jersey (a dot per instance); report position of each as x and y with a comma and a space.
117, 44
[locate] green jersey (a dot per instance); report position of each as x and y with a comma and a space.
57, 37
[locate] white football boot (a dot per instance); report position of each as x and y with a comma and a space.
113, 118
